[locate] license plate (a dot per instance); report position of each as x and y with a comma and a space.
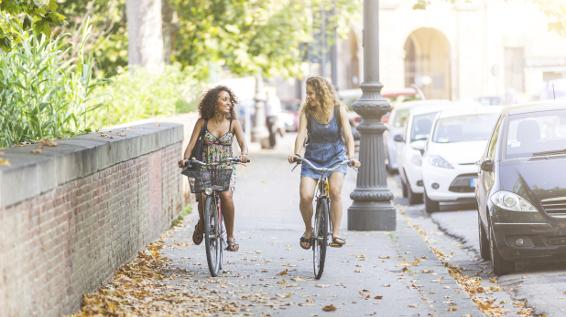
473, 182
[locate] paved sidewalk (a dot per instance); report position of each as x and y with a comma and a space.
376, 274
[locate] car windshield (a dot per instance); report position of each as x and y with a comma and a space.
401, 117
536, 134
465, 128
420, 129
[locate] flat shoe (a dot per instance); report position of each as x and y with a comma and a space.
198, 235
337, 242
305, 242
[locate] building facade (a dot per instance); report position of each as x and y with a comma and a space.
460, 51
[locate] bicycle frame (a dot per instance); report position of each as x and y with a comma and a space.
215, 232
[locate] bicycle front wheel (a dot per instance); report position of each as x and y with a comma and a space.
320, 236
212, 235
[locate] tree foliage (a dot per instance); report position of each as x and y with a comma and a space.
244, 36
108, 41
250, 36
17, 16
555, 10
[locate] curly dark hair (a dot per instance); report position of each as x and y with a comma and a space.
207, 105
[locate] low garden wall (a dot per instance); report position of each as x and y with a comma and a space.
71, 214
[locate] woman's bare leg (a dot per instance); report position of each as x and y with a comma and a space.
306, 195
228, 213
336, 181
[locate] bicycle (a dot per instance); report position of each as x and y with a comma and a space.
210, 180
321, 230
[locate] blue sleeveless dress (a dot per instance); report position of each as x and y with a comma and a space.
325, 146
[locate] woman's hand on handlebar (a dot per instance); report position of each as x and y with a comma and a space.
244, 158
355, 163
183, 163
292, 158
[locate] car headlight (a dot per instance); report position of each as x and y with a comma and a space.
439, 161
416, 159
511, 201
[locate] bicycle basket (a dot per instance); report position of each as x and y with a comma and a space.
219, 178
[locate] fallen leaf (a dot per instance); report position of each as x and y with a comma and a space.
383, 257
4, 162
329, 308
284, 272
49, 143
386, 285
365, 294
378, 297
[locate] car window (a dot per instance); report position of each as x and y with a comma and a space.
421, 125
465, 128
535, 134
400, 119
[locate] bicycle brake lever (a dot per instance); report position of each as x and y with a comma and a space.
294, 167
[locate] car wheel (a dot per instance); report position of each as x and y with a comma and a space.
430, 205
413, 197
484, 241
499, 264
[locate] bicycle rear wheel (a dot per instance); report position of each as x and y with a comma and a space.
320, 236
212, 235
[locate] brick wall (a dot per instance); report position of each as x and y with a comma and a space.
66, 240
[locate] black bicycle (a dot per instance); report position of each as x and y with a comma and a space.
211, 179
322, 230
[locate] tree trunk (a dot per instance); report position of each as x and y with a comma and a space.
145, 40
170, 28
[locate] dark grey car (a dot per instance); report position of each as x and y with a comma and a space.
521, 190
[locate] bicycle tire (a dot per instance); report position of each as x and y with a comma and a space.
320, 236
212, 239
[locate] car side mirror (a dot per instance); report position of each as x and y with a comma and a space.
487, 166
398, 138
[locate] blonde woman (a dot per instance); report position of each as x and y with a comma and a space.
325, 121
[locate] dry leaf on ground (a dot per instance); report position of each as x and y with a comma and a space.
329, 308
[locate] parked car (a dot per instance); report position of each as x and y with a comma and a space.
410, 145
290, 115
349, 96
457, 141
521, 192
397, 125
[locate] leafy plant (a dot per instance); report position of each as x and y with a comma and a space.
17, 16
42, 94
139, 94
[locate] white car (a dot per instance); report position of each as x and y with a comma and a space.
397, 125
456, 143
410, 146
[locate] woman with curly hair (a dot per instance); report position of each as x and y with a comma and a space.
217, 117
325, 121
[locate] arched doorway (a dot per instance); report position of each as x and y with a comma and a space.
427, 63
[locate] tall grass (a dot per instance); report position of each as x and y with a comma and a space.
43, 93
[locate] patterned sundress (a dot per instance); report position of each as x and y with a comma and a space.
217, 149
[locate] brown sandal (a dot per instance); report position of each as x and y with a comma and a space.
232, 245
337, 242
198, 234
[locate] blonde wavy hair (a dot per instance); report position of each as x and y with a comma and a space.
323, 105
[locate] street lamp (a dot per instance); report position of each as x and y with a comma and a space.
372, 208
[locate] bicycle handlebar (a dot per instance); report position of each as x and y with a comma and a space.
228, 160
300, 160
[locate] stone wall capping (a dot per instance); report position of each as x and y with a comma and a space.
30, 174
